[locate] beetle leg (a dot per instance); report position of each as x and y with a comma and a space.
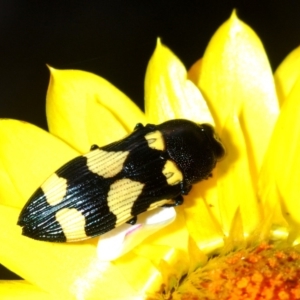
138, 126
132, 221
94, 147
209, 176
185, 189
177, 201
151, 126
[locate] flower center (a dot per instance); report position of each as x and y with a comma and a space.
262, 272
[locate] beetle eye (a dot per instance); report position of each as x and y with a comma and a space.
216, 143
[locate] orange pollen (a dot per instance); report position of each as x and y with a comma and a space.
263, 272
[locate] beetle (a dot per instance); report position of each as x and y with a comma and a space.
152, 167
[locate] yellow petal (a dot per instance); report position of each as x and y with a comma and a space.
85, 109
20, 290
139, 272
287, 74
156, 253
168, 92
194, 72
279, 180
197, 257
236, 76
236, 79
174, 235
201, 208
236, 189
28, 155
67, 271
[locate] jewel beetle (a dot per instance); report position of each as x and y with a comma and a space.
92, 194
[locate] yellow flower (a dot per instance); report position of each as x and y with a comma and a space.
250, 199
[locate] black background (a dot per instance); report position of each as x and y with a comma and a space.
115, 39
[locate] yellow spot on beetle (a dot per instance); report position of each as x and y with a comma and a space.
172, 173
106, 163
72, 223
155, 140
121, 197
55, 188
